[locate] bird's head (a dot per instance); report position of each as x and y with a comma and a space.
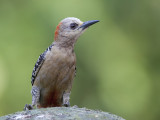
69, 29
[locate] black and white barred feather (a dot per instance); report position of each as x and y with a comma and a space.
39, 63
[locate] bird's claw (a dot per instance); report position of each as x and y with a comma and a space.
66, 104
28, 107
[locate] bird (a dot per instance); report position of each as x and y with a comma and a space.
55, 69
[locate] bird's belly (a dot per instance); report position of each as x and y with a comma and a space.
55, 74
54, 79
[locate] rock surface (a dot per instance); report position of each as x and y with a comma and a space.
61, 113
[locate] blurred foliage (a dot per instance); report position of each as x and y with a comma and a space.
118, 59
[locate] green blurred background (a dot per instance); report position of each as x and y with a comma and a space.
118, 59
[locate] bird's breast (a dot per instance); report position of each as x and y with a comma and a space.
57, 69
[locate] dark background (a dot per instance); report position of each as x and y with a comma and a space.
118, 59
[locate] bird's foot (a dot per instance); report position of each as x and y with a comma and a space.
28, 107
66, 104
66, 98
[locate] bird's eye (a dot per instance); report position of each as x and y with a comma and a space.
73, 26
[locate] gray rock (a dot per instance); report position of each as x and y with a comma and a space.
61, 113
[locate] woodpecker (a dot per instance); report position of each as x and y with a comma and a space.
55, 69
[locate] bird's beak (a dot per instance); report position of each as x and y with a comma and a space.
88, 23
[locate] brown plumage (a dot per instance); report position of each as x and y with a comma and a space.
59, 70
53, 74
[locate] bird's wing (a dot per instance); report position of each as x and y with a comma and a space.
39, 64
